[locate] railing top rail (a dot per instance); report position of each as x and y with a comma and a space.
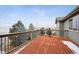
59, 30
16, 33
24, 32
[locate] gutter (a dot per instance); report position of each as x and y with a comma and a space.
71, 14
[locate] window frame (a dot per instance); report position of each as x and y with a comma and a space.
70, 24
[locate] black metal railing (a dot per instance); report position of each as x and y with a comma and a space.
10, 42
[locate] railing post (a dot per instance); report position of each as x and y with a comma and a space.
5, 45
31, 35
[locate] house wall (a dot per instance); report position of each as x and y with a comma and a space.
72, 34
66, 25
61, 33
57, 27
60, 26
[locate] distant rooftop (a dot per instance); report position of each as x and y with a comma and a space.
59, 19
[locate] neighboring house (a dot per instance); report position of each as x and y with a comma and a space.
70, 23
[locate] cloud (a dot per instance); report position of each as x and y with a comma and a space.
39, 12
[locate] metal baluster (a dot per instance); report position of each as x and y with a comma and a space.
30, 35
10, 38
15, 40
5, 44
1, 45
8, 44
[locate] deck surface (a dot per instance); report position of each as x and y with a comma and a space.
46, 45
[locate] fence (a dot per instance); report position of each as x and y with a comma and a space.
10, 42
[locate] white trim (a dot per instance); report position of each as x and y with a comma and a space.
73, 30
72, 46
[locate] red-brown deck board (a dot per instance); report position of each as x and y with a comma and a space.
46, 45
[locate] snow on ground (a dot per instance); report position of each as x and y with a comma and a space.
72, 46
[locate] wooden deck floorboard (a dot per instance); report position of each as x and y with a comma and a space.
46, 45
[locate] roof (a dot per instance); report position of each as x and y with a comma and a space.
59, 19
71, 14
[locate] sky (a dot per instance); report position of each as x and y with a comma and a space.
38, 15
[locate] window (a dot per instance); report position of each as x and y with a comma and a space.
74, 24
70, 24
78, 24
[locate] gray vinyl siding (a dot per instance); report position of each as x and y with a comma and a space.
72, 34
